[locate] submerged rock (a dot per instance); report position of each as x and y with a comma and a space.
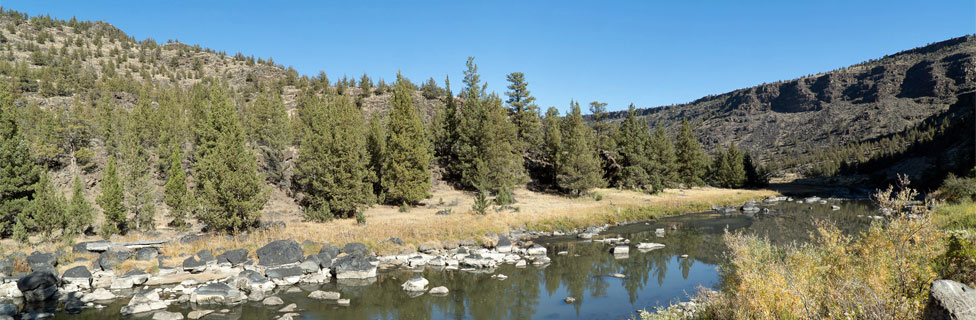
647, 246
216, 293
442, 290
620, 250
324, 295
415, 284
143, 302
166, 315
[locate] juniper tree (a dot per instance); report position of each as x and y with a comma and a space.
268, 127
176, 194
728, 169
365, 85
604, 143
80, 212
446, 135
639, 170
332, 160
18, 173
579, 166
524, 114
406, 178
45, 214
229, 190
136, 158
376, 146
551, 145
692, 163
111, 201
487, 143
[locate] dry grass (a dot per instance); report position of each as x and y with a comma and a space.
539, 211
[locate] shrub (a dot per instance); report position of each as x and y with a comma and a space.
504, 197
481, 203
321, 213
360, 217
958, 189
959, 260
404, 208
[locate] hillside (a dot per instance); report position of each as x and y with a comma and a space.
814, 115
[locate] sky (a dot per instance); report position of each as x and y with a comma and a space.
649, 53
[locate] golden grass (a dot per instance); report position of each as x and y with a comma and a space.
538, 211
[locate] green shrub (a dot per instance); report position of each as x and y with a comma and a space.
959, 260
481, 203
957, 189
404, 208
504, 197
360, 217
320, 213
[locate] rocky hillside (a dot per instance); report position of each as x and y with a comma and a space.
863, 102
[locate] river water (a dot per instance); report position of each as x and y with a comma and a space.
652, 279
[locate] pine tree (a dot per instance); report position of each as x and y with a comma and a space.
268, 127
634, 145
80, 212
229, 189
579, 166
332, 160
46, 212
728, 169
446, 136
111, 202
524, 114
406, 177
605, 144
18, 173
692, 163
552, 143
137, 163
755, 175
176, 194
486, 146
663, 153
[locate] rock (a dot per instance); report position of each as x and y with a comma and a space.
39, 286
166, 315
216, 293
138, 276
197, 314
146, 254
521, 264
252, 281
684, 256
8, 310
279, 253
328, 252
234, 257
45, 261
343, 302
289, 308
834, 207
353, 248
206, 256
193, 265
272, 301
570, 300
618, 275
285, 275
442, 290
811, 200
951, 300
324, 295
78, 275
478, 261
500, 276
427, 248
112, 257
144, 301
648, 246
353, 267
536, 250
99, 294
415, 284
83, 247
620, 250
311, 264
122, 284
396, 241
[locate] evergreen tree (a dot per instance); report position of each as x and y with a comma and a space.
524, 114
692, 163
111, 202
486, 146
663, 154
80, 212
229, 189
376, 146
639, 170
446, 136
365, 86
579, 166
728, 169
605, 143
332, 160
46, 212
176, 194
18, 173
268, 127
755, 176
136, 158
552, 143
406, 178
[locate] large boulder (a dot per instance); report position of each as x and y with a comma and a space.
206, 256
353, 266
951, 300
137, 276
194, 265
311, 264
39, 286
6, 267
354, 248
216, 293
329, 250
146, 254
112, 257
415, 284
42, 261
82, 247
251, 281
234, 257
142, 302
279, 253
79, 276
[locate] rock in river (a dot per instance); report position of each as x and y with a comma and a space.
38, 286
415, 284
353, 267
216, 293
324, 295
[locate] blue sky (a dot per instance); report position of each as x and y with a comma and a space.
644, 52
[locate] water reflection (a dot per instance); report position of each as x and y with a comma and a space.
653, 278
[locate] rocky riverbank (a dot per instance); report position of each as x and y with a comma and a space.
210, 281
